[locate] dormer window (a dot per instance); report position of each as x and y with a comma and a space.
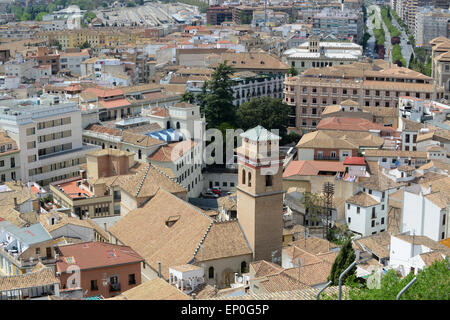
171, 220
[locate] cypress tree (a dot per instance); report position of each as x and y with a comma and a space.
345, 257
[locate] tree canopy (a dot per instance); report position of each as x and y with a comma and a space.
344, 259
218, 102
433, 283
271, 113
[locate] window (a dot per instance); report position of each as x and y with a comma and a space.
249, 179
243, 176
370, 191
442, 235
268, 180
349, 219
382, 220
348, 206
358, 210
443, 220
38, 250
30, 131
2, 163
94, 285
373, 213
224, 184
373, 223
244, 267
211, 273
131, 279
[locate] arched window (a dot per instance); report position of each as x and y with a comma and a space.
178, 125
211, 273
268, 180
140, 154
243, 176
244, 267
249, 179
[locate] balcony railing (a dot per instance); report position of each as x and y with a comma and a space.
114, 287
326, 158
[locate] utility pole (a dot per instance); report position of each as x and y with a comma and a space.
328, 191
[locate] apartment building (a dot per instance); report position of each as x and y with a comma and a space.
106, 37
247, 85
70, 60
96, 193
48, 136
215, 15
370, 84
9, 159
440, 65
104, 269
431, 23
20, 67
315, 53
46, 56
425, 209
343, 24
182, 161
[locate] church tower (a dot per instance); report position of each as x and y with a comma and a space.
260, 193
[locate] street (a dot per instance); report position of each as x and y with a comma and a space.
405, 47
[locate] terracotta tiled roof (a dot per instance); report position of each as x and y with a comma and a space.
231, 239
363, 199
40, 276
377, 244
377, 180
116, 103
154, 289
145, 230
304, 294
430, 257
394, 153
312, 167
172, 151
350, 124
254, 60
339, 139
140, 140
425, 241
103, 129
89, 255
147, 181
313, 245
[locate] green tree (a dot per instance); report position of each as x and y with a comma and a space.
26, 16
89, 16
188, 97
218, 102
293, 71
313, 206
345, 258
85, 45
433, 283
40, 15
271, 113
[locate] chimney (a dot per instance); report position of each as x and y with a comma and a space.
106, 229
159, 269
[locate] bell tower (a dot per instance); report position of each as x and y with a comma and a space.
260, 193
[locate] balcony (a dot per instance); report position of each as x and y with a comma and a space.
114, 287
318, 157
305, 115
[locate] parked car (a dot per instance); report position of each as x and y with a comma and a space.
216, 191
209, 194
